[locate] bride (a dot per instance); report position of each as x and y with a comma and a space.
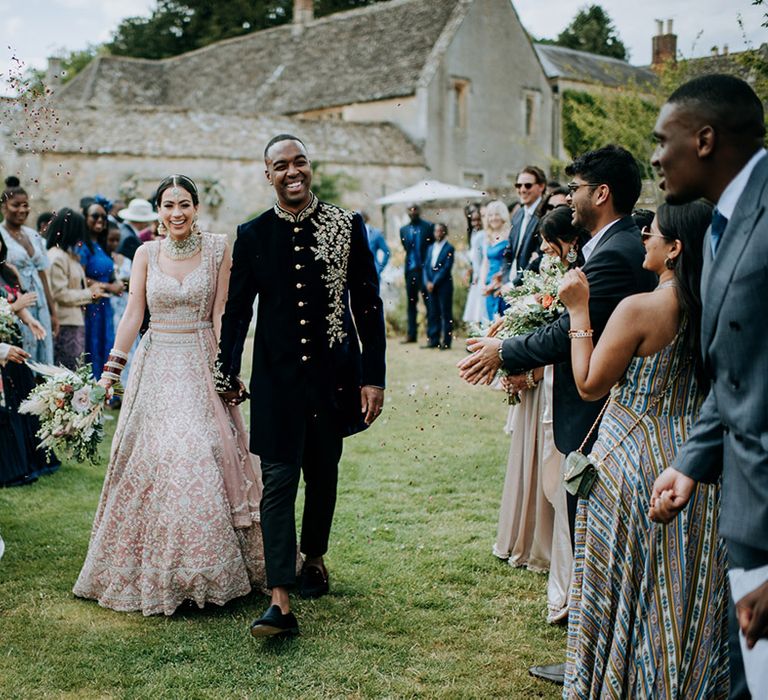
178, 515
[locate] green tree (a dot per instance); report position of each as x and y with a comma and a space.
177, 26
592, 30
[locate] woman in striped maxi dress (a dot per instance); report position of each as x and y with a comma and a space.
648, 602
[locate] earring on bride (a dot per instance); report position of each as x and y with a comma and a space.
571, 256
195, 228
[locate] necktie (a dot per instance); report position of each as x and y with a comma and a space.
719, 222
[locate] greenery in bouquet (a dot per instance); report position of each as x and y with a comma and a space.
70, 407
9, 328
531, 305
535, 302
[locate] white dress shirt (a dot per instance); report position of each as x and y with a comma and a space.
589, 246
437, 247
726, 205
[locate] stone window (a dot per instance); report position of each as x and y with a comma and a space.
530, 112
460, 99
473, 178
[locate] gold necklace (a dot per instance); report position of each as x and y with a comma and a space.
184, 249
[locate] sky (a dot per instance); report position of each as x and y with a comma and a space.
31, 30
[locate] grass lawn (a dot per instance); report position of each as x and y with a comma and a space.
419, 606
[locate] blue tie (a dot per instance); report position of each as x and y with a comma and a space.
719, 222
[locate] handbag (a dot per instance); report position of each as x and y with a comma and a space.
581, 472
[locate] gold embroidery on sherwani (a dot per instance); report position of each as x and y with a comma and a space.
305, 213
334, 235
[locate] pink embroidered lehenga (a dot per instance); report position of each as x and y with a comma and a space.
178, 515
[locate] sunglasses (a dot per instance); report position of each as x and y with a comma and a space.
646, 233
524, 185
573, 186
103, 217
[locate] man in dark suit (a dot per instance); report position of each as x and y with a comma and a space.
710, 137
604, 188
439, 285
416, 237
523, 241
317, 375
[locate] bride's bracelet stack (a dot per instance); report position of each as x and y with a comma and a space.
114, 365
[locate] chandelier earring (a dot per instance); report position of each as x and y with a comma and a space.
161, 229
572, 255
195, 228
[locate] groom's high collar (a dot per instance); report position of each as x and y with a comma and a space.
305, 213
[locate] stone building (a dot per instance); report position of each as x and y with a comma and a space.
385, 94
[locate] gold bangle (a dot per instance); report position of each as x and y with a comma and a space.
530, 382
580, 334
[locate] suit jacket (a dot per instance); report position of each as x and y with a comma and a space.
312, 272
614, 271
731, 434
425, 238
528, 246
376, 243
439, 274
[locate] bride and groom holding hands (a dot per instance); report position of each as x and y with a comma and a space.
183, 515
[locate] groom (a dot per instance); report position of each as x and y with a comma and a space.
317, 374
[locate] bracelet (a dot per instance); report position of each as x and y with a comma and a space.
106, 374
530, 382
118, 354
501, 353
580, 334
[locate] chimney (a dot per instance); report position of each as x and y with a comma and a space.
54, 72
664, 46
303, 14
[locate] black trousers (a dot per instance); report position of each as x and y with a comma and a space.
319, 454
440, 315
414, 285
739, 557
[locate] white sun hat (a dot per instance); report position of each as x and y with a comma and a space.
139, 210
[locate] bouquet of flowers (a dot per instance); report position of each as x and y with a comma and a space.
533, 304
70, 406
9, 329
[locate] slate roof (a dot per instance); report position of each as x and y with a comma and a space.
371, 53
580, 66
158, 132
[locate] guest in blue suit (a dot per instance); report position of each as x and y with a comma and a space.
439, 285
377, 244
416, 238
524, 240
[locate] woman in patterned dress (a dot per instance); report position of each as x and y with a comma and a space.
648, 602
178, 518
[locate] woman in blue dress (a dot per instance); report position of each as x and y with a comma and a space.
26, 252
497, 230
99, 267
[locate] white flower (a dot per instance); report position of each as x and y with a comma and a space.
81, 400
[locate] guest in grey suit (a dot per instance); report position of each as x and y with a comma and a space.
710, 136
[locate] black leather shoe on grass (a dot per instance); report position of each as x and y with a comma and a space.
313, 581
274, 622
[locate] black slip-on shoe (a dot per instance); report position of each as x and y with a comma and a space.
554, 673
274, 622
313, 581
